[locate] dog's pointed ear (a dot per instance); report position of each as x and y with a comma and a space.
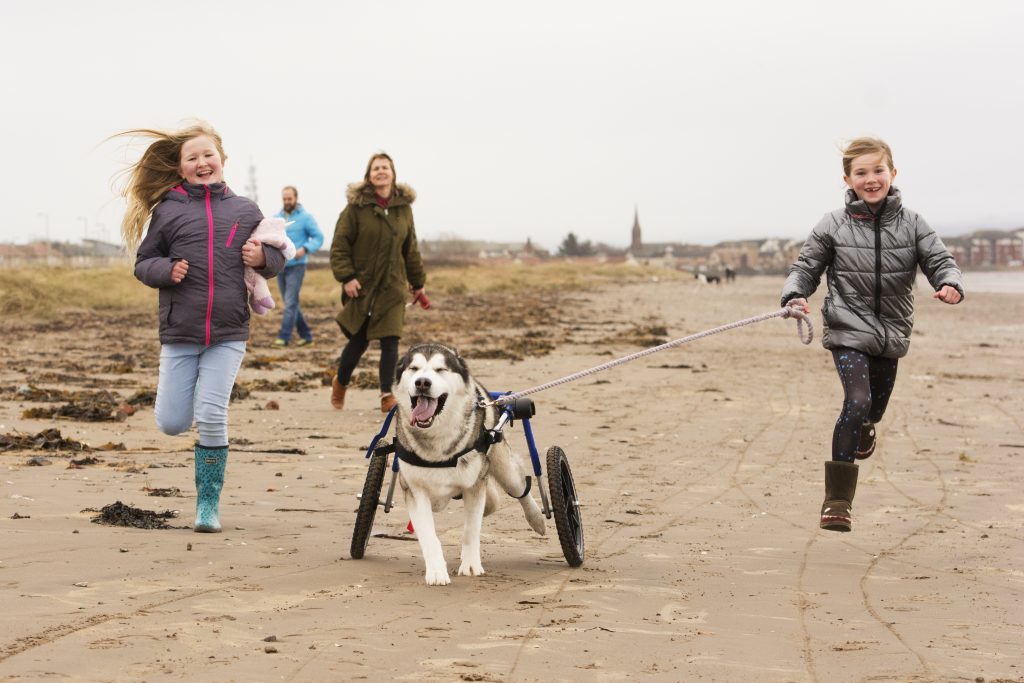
462, 368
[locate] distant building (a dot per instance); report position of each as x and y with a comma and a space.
665, 254
450, 249
754, 256
1009, 251
88, 252
988, 249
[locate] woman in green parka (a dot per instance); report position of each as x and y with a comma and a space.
376, 258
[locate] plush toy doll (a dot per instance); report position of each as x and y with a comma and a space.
271, 231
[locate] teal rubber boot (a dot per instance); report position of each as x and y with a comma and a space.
210, 463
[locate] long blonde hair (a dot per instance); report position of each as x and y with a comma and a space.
149, 178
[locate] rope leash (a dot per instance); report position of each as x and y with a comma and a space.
787, 312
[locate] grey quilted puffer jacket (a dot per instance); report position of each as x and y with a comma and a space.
871, 263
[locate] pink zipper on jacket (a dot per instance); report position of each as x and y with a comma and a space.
209, 251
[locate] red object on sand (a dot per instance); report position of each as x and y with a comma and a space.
408, 527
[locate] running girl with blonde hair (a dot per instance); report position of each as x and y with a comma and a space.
194, 251
869, 251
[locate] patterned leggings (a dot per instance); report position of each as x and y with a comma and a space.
867, 386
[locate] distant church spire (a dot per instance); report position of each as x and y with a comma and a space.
636, 243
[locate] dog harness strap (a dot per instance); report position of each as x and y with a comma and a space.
529, 485
409, 457
482, 444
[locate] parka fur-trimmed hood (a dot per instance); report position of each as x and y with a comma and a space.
363, 194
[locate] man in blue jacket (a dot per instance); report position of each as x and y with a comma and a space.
307, 238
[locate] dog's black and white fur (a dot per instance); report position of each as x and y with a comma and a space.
439, 417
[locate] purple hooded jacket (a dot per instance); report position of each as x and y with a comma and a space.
205, 225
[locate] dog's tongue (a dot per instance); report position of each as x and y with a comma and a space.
424, 409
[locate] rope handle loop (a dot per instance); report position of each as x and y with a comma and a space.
801, 318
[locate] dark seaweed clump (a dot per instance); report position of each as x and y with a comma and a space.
119, 514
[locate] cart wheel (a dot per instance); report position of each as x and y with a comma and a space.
565, 506
368, 504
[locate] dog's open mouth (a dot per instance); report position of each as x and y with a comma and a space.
425, 409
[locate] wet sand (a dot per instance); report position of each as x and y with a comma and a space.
700, 477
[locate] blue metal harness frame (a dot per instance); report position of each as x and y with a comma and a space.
505, 418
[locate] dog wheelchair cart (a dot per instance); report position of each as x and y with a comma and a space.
562, 504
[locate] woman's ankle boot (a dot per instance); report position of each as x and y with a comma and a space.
337, 394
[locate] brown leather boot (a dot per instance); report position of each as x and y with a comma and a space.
387, 402
337, 394
840, 485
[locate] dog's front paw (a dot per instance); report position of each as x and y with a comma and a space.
471, 568
438, 576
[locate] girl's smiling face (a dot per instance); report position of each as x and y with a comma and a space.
870, 178
201, 163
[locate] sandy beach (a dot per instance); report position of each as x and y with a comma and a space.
699, 472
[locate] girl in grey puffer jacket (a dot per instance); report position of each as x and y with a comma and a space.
870, 252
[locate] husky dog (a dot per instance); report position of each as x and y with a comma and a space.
446, 451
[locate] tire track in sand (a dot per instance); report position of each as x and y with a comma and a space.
935, 511
739, 458
54, 633
802, 602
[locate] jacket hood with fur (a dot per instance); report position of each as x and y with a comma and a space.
363, 194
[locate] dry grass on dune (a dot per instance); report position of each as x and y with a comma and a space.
41, 293
320, 287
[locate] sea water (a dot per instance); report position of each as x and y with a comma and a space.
991, 281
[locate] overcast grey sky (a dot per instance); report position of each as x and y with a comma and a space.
721, 120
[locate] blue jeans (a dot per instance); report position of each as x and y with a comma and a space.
195, 383
290, 282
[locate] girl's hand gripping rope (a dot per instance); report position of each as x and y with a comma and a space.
799, 302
